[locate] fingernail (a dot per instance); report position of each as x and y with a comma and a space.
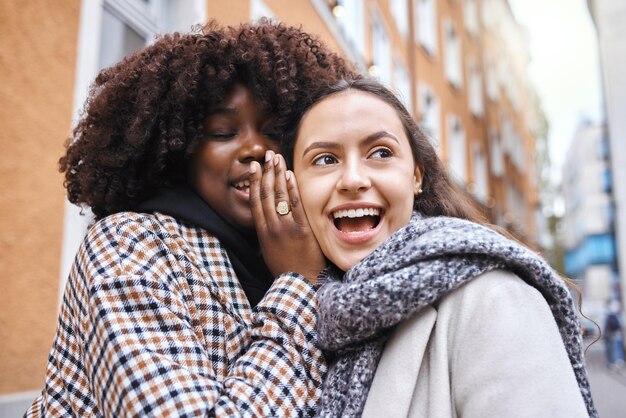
253, 167
276, 159
288, 175
268, 156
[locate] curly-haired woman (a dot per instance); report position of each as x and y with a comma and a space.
169, 308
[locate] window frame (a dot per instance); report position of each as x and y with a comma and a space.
425, 19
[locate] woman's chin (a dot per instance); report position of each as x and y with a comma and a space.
348, 261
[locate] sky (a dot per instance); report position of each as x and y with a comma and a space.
564, 67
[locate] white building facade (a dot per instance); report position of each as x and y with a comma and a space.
609, 17
588, 221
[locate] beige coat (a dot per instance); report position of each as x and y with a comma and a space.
489, 349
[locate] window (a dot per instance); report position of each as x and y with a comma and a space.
515, 149
457, 149
402, 83
470, 14
503, 71
480, 173
607, 181
351, 21
512, 90
497, 155
595, 249
492, 80
400, 13
609, 213
181, 17
427, 25
512, 142
452, 55
381, 51
603, 147
515, 204
119, 39
507, 132
487, 15
475, 90
509, 82
430, 112
127, 26
259, 9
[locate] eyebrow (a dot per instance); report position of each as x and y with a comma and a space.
219, 110
367, 140
377, 135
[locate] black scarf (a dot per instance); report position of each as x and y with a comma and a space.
184, 204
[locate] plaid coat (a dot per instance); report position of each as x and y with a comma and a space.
155, 323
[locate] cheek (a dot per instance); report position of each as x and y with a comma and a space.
207, 157
403, 200
311, 201
314, 196
196, 170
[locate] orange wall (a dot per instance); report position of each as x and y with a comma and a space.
38, 40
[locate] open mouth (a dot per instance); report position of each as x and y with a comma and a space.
243, 185
355, 221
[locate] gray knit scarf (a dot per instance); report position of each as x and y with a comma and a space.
418, 265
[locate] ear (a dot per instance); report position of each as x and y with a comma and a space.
417, 181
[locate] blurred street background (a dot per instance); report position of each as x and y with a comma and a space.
608, 384
525, 101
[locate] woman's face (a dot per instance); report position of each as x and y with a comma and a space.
356, 174
237, 131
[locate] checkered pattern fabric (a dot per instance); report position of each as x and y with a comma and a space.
155, 323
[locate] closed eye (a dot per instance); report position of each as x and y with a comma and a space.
325, 159
221, 136
272, 134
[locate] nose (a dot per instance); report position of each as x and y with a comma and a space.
254, 145
354, 178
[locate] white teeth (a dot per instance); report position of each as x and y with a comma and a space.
245, 184
356, 213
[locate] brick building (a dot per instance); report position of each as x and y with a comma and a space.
459, 65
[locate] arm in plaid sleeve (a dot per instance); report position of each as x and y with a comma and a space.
283, 370
145, 357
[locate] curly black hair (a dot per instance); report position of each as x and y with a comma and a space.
144, 116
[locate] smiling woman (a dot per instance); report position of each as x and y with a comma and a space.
484, 326
356, 174
237, 132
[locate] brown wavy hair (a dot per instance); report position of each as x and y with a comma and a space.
144, 116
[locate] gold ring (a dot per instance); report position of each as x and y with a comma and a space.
282, 208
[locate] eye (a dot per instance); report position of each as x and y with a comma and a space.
381, 154
269, 128
272, 134
325, 159
221, 136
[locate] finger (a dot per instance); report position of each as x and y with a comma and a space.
280, 182
255, 196
294, 199
267, 192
